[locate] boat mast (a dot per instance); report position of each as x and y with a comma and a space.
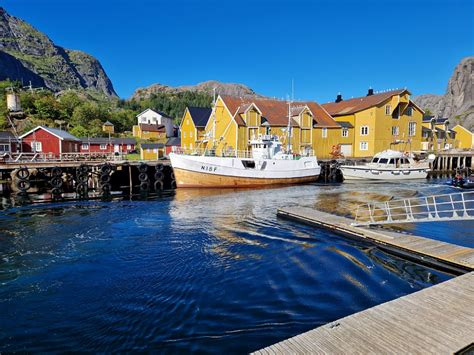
214, 118
289, 116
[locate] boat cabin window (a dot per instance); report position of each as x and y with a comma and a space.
248, 164
392, 161
375, 160
406, 161
383, 161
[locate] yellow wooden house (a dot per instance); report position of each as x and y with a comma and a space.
235, 121
437, 135
152, 151
193, 127
378, 120
464, 137
150, 132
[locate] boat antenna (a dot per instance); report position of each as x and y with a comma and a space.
289, 127
214, 118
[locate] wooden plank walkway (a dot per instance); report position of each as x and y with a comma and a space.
435, 320
425, 250
74, 163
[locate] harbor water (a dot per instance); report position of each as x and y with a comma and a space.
206, 271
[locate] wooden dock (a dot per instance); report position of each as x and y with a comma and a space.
426, 251
435, 320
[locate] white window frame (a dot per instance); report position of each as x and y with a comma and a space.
324, 132
362, 130
129, 146
388, 108
103, 146
345, 132
395, 132
37, 146
85, 146
191, 134
363, 145
412, 129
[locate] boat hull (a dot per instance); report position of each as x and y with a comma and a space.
217, 172
369, 173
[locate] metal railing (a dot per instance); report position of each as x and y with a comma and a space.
447, 207
232, 153
49, 157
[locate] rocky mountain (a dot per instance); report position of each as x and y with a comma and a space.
207, 87
27, 54
458, 101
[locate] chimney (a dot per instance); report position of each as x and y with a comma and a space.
338, 98
370, 92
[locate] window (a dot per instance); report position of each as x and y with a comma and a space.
364, 145
375, 160
395, 131
345, 132
187, 121
190, 146
85, 146
145, 132
37, 147
387, 110
267, 130
364, 130
4, 147
409, 111
184, 134
324, 132
190, 134
412, 129
103, 146
129, 146
383, 161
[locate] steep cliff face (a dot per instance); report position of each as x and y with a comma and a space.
38, 59
207, 87
458, 102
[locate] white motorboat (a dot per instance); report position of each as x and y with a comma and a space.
265, 164
388, 165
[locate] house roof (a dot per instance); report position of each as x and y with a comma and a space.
63, 135
174, 141
105, 140
275, 112
439, 120
6, 136
200, 115
108, 123
345, 124
346, 107
155, 111
151, 127
152, 145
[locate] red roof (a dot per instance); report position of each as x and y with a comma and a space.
152, 127
346, 107
275, 112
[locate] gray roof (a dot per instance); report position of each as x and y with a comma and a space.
6, 136
152, 145
60, 133
345, 124
174, 141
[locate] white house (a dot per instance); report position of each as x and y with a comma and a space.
158, 118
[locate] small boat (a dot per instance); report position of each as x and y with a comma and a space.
265, 164
390, 165
459, 181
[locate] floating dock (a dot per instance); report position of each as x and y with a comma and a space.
434, 253
438, 319
435, 320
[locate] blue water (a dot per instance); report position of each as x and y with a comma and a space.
201, 271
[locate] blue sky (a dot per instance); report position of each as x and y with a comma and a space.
326, 47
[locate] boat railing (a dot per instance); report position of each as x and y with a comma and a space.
446, 207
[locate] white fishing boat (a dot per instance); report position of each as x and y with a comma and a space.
265, 163
388, 165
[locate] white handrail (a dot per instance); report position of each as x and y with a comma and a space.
455, 206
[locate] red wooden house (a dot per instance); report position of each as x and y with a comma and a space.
172, 142
108, 145
8, 143
50, 141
